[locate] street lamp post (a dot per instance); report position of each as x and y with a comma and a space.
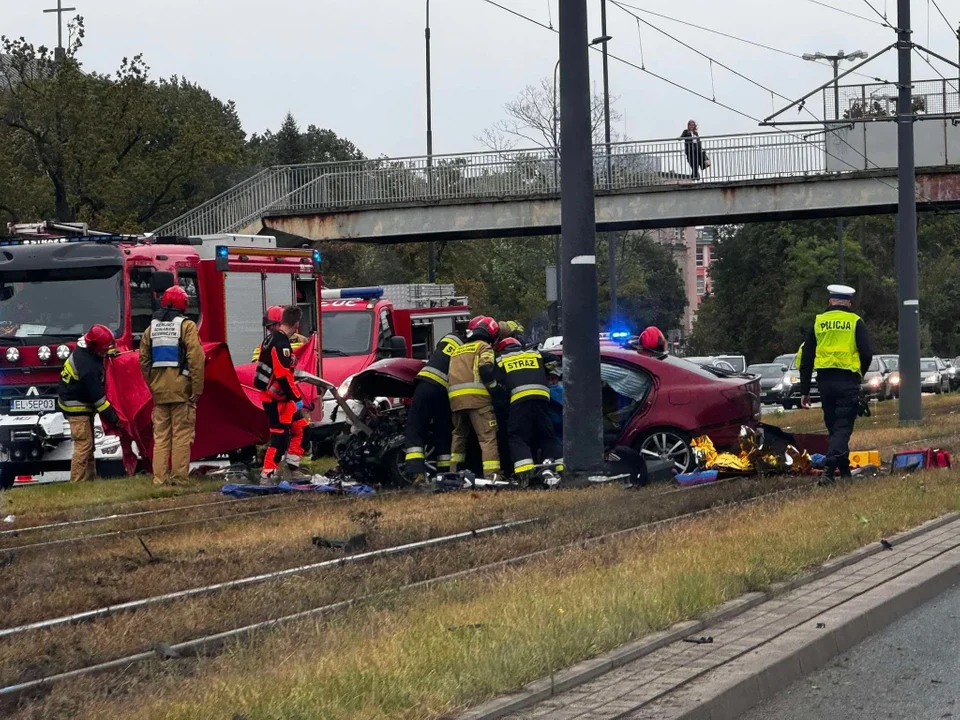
835, 60
611, 248
432, 267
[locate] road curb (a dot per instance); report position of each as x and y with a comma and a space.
568, 678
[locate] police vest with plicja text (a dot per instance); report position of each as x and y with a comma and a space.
167, 349
836, 332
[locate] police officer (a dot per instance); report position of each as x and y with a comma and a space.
431, 407
472, 377
172, 362
529, 426
279, 393
81, 395
838, 348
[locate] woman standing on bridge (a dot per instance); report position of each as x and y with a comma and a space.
695, 155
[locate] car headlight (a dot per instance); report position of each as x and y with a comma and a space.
63, 352
13, 354
344, 389
895, 380
794, 379
44, 353
778, 387
874, 382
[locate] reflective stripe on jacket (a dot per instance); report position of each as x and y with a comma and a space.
274, 374
437, 369
526, 376
81, 390
167, 350
172, 382
467, 389
836, 333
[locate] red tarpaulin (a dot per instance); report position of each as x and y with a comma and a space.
308, 350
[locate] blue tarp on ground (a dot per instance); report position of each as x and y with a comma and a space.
242, 491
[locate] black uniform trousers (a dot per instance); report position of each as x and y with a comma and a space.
840, 395
531, 429
429, 419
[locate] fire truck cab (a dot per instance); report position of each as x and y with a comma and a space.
54, 286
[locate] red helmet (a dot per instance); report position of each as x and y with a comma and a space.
99, 339
274, 315
483, 328
175, 297
508, 343
653, 339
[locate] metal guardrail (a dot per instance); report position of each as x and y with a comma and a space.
503, 175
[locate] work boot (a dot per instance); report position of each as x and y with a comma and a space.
827, 478
293, 474
268, 479
419, 482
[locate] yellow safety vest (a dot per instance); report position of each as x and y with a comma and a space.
836, 332
799, 355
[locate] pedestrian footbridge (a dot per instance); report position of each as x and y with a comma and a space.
842, 169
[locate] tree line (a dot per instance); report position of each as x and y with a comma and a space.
126, 152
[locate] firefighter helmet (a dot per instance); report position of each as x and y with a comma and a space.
274, 315
482, 328
508, 343
652, 339
99, 339
175, 297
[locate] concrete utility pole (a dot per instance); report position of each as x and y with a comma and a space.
60, 10
611, 249
907, 280
432, 268
582, 418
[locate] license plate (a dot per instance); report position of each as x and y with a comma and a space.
33, 405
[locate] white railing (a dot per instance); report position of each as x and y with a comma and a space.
322, 187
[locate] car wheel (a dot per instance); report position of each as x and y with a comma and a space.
667, 444
396, 461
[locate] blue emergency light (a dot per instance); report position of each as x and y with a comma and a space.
222, 262
316, 257
367, 293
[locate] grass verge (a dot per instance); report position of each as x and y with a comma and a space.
427, 654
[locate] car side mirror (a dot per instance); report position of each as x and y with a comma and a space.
395, 347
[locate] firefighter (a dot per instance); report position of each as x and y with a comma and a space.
431, 405
530, 426
472, 377
172, 362
280, 395
652, 340
271, 321
838, 348
295, 452
513, 329
81, 395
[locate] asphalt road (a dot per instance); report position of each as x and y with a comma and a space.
910, 671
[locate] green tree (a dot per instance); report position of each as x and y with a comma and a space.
290, 146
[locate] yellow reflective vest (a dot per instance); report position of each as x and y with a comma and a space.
836, 332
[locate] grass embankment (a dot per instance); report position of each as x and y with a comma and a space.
427, 653
43, 584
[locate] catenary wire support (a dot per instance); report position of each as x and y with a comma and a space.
713, 86
643, 64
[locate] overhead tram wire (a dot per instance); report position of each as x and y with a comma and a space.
851, 14
879, 15
953, 30
697, 94
746, 41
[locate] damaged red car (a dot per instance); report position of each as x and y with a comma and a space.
655, 404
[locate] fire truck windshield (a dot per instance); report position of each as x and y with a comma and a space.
347, 333
38, 303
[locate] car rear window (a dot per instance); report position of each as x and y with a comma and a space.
766, 371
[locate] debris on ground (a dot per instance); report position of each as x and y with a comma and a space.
335, 488
350, 544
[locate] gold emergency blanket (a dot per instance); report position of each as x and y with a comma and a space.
753, 456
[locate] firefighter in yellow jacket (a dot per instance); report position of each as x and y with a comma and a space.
172, 361
472, 376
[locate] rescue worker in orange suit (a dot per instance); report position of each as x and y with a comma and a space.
530, 427
652, 340
280, 395
472, 376
430, 411
295, 453
81, 395
838, 348
173, 362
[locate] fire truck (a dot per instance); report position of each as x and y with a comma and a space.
366, 324
57, 281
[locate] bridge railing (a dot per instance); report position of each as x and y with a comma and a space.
515, 173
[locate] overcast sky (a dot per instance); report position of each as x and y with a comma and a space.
357, 66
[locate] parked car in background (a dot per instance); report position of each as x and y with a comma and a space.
893, 379
738, 362
953, 369
875, 384
933, 375
791, 384
709, 361
771, 381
